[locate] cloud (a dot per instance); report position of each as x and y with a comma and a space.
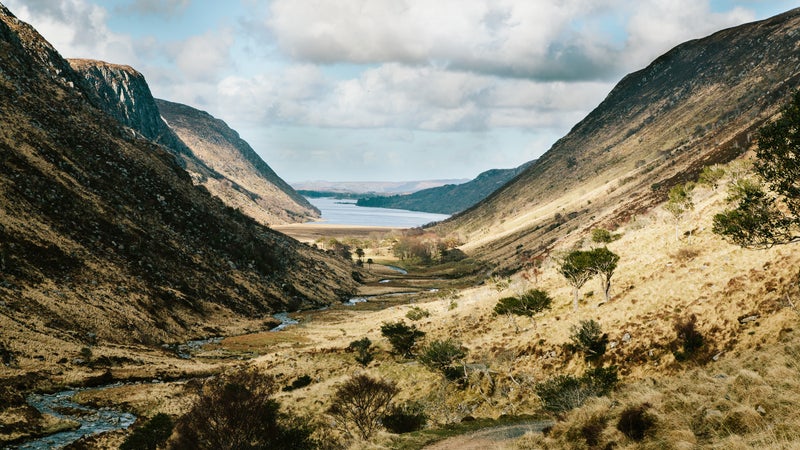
76, 28
405, 97
512, 38
166, 8
203, 57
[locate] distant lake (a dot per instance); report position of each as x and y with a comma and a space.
345, 212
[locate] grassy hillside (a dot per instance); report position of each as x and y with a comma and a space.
696, 105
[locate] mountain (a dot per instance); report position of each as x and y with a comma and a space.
697, 105
103, 236
248, 183
216, 157
450, 198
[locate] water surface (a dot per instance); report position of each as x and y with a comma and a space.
345, 212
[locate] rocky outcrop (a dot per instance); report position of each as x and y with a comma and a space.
247, 182
212, 153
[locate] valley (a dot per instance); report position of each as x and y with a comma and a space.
637, 286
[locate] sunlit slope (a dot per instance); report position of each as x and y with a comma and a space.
696, 105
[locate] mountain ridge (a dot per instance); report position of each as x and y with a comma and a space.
238, 176
698, 104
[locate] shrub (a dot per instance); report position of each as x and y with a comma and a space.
150, 435
405, 418
363, 349
299, 382
443, 356
689, 338
589, 338
360, 404
237, 411
401, 336
634, 422
417, 313
603, 236
565, 392
528, 304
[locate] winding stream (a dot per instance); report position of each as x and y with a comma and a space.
92, 421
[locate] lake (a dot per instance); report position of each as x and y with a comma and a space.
345, 212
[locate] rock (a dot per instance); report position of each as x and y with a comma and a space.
753, 318
760, 409
626, 338
716, 357
714, 414
612, 344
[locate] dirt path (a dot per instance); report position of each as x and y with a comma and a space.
495, 438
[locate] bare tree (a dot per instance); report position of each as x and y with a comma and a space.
360, 403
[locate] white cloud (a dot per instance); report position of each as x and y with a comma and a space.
76, 28
203, 57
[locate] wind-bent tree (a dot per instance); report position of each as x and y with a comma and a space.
577, 268
768, 209
679, 204
528, 304
401, 336
604, 262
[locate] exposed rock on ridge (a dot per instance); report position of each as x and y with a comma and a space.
123, 93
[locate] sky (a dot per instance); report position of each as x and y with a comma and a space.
386, 90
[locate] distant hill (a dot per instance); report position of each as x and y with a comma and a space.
450, 198
213, 154
373, 187
696, 105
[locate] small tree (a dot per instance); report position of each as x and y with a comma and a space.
604, 263
679, 204
369, 263
589, 338
445, 356
361, 403
151, 435
360, 253
577, 268
401, 336
528, 304
363, 349
237, 411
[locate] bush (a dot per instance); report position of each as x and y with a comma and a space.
237, 411
417, 313
361, 403
401, 336
634, 422
589, 338
299, 382
603, 236
443, 356
363, 349
405, 418
565, 392
689, 338
528, 304
150, 435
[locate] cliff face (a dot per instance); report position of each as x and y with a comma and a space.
696, 105
104, 237
212, 153
248, 183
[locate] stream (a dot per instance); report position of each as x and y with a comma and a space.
92, 421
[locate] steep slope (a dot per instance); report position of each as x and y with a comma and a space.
248, 183
450, 198
217, 158
694, 106
103, 236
